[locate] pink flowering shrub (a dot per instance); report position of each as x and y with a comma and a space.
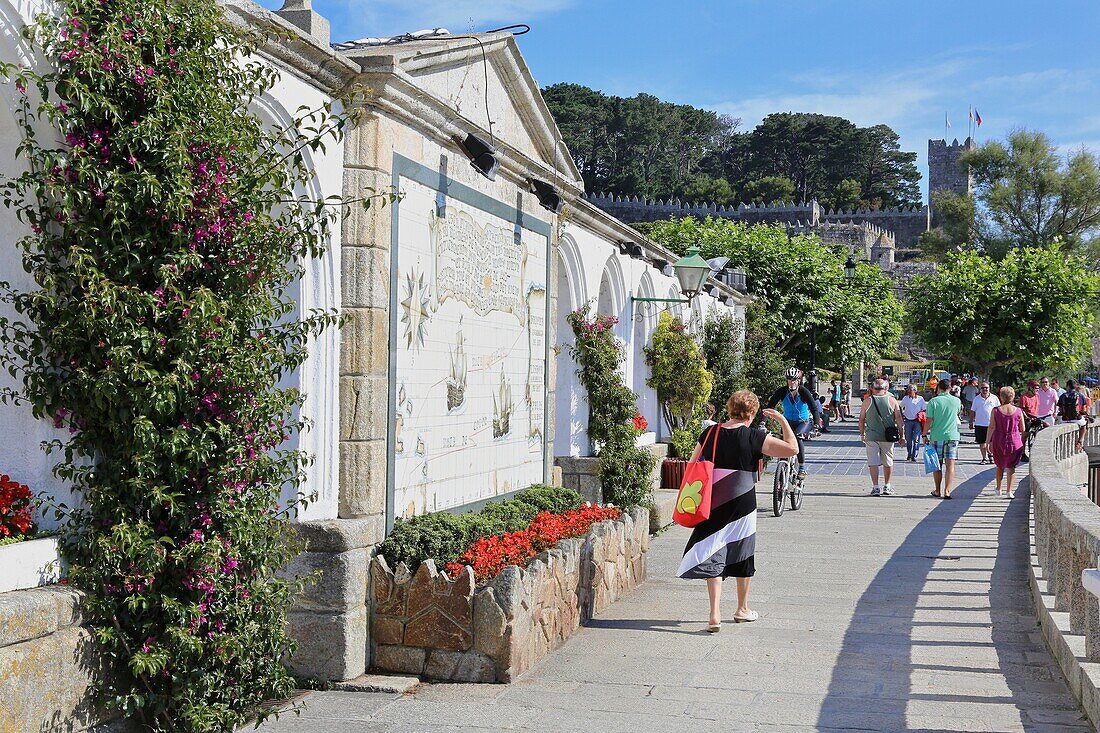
624, 467
166, 235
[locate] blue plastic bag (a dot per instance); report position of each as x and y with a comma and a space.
931, 459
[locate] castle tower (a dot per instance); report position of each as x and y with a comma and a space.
944, 171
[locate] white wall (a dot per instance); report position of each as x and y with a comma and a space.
611, 281
22, 435
319, 377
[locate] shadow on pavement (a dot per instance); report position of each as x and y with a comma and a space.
951, 529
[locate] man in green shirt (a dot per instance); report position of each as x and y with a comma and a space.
942, 429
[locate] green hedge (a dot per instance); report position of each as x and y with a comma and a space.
445, 536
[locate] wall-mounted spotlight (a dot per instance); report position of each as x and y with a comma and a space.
482, 155
548, 196
659, 263
631, 249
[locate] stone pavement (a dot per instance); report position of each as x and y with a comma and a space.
899, 613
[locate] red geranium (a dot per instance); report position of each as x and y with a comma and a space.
16, 505
489, 555
640, 423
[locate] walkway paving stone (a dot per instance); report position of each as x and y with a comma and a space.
900, 613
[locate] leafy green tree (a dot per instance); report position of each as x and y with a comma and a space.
846, 195
865, 320
886, 174
721, 343
1029, 311
636, 145
706, 189
679, 375
1025, 195
770, 190
764, 360
642, 146
818, 152
957, 222
801, 284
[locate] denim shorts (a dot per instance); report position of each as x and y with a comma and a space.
948, 450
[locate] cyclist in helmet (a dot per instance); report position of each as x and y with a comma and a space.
799, 407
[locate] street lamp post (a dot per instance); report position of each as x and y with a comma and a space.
849, 278
811, 375
692, 272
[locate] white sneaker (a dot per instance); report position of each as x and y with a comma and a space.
875, 491
887, 490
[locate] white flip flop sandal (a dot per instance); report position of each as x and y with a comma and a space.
753, 615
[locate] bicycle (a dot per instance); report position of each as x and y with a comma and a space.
1034, 426
786, 485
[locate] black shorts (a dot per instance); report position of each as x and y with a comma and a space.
980, 432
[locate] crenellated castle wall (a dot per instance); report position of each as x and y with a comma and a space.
906, 224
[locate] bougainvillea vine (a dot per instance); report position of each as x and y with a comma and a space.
167, 228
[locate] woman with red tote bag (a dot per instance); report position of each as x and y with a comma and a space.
724, 545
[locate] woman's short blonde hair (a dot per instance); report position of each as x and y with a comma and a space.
743, 405
1007, 395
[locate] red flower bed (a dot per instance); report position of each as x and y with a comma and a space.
16, 504
489, 555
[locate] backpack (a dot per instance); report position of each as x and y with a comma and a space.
1070, 405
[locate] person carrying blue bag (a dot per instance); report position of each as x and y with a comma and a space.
931, 459
942, 429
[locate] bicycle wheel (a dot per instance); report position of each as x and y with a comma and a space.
779, 487
796, 496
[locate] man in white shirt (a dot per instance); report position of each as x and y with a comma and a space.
981, 412
912, 404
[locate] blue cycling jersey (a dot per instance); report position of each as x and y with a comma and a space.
794, 408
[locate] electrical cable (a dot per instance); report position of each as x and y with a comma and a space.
526, 29
409, 38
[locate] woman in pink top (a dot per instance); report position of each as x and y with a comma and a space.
1006, 438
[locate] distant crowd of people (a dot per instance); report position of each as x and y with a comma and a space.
930, 420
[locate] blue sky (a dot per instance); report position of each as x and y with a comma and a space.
1027, 64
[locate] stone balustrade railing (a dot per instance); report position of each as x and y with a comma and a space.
1065, 545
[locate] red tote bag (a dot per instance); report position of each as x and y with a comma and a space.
693, 501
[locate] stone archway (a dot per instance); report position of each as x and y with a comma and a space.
570, 408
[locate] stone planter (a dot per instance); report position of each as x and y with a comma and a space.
29, 564
433, 626
672, 473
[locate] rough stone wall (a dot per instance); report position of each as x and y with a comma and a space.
48, 663
944, 171
446, 629
906, 225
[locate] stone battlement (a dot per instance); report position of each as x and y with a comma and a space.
905, 223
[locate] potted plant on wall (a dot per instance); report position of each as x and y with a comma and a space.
679, 375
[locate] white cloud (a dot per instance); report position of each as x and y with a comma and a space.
893, 99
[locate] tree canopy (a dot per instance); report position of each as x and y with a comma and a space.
1025, 195
642, 146
1027, 312
800, 283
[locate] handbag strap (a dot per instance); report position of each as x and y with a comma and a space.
874, 403
713, 443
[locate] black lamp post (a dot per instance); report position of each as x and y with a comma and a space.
811, 376
849, 278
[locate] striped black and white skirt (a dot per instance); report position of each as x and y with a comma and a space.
725, 544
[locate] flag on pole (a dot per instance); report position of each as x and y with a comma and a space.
977, 118
946, 121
